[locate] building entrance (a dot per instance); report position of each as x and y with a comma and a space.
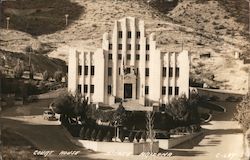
127, 90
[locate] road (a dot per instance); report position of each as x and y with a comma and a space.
222, 138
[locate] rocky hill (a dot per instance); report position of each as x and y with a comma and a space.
218, 27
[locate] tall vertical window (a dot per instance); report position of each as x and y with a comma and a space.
147, 47
163, 90
110, 56
177, 72
92, 70
137, 47
79, 88
119, 56
79, 70
129, 46
110, 46
120, 34
109, 71
137, 57
147, 57
170, 90
109, 89
85, 89
138, 34
120, 46
170, 72
86, 69
128, 56
147, 72
119, 71
164, 72
176, 92
129, 34
146, 89
92, 88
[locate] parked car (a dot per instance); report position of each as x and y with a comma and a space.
49, 115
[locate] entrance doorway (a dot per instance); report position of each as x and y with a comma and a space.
127, 90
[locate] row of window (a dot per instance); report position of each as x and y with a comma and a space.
170, 90
128, 56
129, 34
138, 47
86, 69
170, 72
85, 88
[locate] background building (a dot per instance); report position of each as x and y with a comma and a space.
128, 66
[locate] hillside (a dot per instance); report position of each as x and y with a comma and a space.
217, 27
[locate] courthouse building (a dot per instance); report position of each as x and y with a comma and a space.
128, 66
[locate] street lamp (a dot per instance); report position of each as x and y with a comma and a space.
8, 21
66, 19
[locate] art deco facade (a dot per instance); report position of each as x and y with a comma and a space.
128, 66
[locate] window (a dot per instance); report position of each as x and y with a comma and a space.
147, 57
86, 68
79, 70
138, 34
163, 90
128, 70
129, 46
92, 88
110, 46
109, 71
176, 91
110, 56
129, 34
147, 72
146, 89
164, 72
177, 72
79, 88
120, 46
119, 71
120, 34
137, 47
109, 89
147, 47
85, 89
119, 56
92, 70
137, 57
170, 72
128, 56
170, 90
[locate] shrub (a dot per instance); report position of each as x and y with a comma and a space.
82, 133
131, 136
93, 135
58, 76
108, 137
144, 136
87, 134
122, 136
138, 136
243, 112
99, 135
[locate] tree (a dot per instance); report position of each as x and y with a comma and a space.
58, 76
18, 70
93, 135
45, 75
99, 135
82, 133
150, 128
32, 70
138, 136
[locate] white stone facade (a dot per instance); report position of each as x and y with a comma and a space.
128, 66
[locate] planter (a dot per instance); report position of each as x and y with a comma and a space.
119, 147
